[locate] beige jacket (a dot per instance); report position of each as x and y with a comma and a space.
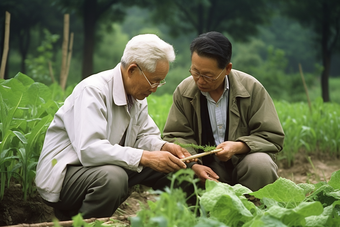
252, 115
87, 130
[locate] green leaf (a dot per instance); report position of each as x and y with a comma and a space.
329, 217
208, 222
265, 221
224, 205
335, 180
24, 79
307, 188
282, 190
296, 216
78, 221
37, 91
20, 136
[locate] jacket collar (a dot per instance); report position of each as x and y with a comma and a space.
237, 89
119, 93
118, 90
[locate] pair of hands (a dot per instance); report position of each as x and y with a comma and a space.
167, 160
229, 148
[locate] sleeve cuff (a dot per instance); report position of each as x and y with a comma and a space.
190, 164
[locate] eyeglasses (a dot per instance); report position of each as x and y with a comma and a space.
153, 85
207, 79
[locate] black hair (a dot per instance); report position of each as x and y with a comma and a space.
213, 45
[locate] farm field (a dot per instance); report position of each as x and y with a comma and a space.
311, 151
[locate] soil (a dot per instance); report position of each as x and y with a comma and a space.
14, 210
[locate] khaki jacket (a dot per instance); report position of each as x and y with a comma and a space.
87, 130
252, 115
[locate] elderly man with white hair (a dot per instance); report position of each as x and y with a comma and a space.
102, 140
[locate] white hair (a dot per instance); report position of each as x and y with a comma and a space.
146, 50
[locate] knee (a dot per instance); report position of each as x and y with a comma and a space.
260, 164
256, 170
110, 178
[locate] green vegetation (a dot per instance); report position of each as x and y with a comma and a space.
282, 203
27, 108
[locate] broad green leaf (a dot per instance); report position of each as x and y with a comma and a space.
223, 204
322, 195
307, 188
209, 185
24, 79
37, 91
208, 222
309, 208
12, 92
335, 194
265, 221
335, 180
296, 216
241, 190
329, 217
282, 190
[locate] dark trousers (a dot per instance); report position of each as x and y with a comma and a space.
99, 191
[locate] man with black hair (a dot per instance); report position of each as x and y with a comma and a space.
220, 106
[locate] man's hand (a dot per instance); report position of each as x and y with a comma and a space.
230, 148
178, 151
161, 161
204, 173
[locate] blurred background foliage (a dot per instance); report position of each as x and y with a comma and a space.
269, 39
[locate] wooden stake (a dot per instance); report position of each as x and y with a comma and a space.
64, 51
305, 86
6, 44
70, 223
69, 55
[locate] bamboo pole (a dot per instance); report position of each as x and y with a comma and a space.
64, 51
6, 44
69, 55
305, 86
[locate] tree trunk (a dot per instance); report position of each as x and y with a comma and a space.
24, 42
89, 21
325, 78
326, 53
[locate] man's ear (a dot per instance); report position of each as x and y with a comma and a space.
131, 69
229, 67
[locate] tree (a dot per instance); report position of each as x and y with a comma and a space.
91, 12
240, 19
323, 16
23, 19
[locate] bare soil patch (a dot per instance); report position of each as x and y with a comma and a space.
14, 210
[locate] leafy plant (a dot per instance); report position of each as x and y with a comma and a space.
26, 112
283, 203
